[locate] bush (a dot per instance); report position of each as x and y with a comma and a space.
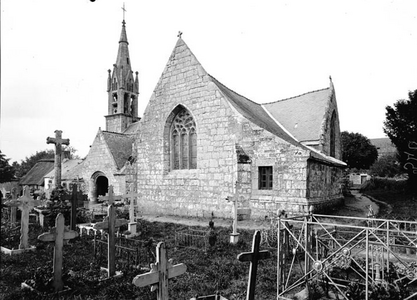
388, 184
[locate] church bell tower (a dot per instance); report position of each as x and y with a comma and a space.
122, 89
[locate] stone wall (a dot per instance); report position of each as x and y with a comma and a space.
194, 192
100, 161
324, 184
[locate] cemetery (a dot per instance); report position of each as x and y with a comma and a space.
308, 256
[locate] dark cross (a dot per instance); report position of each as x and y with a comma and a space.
58, 141
58, 234
124, 10
253, 257
25, 204
179, 34
160, 272
111, 223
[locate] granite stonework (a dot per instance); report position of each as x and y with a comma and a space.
202, 191
235, 137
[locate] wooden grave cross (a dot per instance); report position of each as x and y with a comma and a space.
110, 223
25, 203
110, 197
58, 141
253, 257
58, 234
161, 271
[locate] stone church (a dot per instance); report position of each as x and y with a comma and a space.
199, 142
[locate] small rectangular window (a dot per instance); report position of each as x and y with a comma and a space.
265, 178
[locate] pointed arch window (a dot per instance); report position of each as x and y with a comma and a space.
183, 146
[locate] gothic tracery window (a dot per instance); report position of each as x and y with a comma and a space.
183, 147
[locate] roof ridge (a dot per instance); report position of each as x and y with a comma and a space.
297, 96
234, 91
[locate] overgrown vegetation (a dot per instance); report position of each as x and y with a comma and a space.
207, 272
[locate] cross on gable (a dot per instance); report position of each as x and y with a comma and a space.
253, 257
110, 196
160, 272
58, 234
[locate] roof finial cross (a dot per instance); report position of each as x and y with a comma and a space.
124, 10
179, 34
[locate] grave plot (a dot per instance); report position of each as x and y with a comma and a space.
192, 238
25, 204
329, 257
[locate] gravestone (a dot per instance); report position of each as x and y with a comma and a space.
110, 223
234, 236
132, 218
160, 272
58, 234
253, 257
58, 141
24, 203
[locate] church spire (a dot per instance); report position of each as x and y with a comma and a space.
122, 88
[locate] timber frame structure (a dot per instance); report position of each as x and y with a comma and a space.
344, 255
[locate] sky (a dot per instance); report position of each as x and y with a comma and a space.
55, 55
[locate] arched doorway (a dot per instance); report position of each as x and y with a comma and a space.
102, 185
99, 185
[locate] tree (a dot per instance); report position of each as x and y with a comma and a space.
401, 127
386, 166
357, 150
7, 172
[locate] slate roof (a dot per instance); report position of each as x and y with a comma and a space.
302, 115
256, 113
384, 146
132, 128
71, 169
38, 171
120, 146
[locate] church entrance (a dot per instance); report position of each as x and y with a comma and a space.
99, 184
102, 185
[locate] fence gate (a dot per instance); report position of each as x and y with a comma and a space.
345, 257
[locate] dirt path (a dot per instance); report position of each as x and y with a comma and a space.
355, 206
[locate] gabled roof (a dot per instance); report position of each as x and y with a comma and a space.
384, 146
132, 128
70, 170
38, 171
120, 146
256, 113
302, 115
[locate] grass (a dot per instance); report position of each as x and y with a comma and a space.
207, 271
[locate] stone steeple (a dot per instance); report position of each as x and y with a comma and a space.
122, 89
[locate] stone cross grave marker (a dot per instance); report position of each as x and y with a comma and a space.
234, 236
132, 217
160, 272
58, 234
58, 141
110, 223
110, 196
253, 257
25, 203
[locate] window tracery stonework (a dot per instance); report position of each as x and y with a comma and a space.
183, 147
